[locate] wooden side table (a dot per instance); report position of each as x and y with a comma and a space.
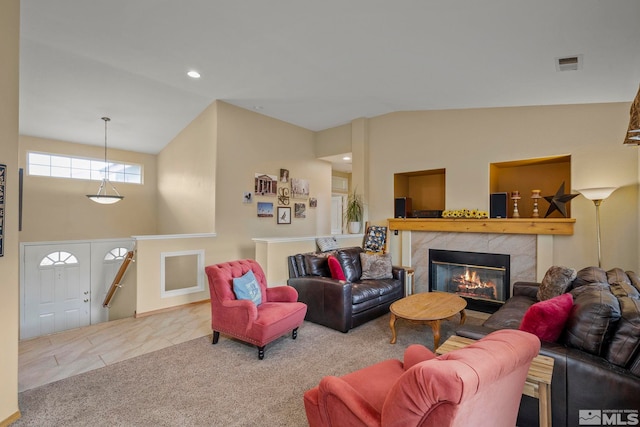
537, 385
409, 281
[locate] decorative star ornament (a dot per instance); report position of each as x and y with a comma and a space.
558, 201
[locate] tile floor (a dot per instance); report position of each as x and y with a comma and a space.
53, 357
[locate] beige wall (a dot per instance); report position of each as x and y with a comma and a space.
57, 209
465, 142
148, 259
9, 62
187, 178
333, 141
250, 143
202, 175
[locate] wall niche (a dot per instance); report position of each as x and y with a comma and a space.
545, 174
425, 188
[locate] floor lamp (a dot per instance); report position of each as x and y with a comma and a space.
597, 195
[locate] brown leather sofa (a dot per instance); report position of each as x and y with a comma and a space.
342, 304
597, 357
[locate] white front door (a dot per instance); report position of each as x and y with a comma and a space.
57, 288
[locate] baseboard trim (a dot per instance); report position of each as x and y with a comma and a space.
165, 310
12, 419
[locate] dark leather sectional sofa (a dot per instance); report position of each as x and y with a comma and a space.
342, 305
597, 358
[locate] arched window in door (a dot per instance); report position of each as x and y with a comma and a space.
116, 254
58, 258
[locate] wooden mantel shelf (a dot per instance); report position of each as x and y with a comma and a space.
560, 226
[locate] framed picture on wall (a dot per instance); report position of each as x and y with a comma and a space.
284, 215
299, 188
265, 210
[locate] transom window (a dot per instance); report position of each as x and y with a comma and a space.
58, 258
54, 165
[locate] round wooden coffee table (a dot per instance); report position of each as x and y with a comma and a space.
427, 308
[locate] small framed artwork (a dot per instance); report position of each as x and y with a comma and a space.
299, 188
284, 175
300, 210
283, 196
284, 215
265, 210
313, 202
247, 197
266, 185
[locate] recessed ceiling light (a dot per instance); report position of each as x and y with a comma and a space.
258, 107
193, 74
346, 158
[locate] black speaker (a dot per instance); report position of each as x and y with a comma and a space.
402, 207
498, 205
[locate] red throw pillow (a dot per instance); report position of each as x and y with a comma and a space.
546, 319
335, 268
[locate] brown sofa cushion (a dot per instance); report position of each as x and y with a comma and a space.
590, 275
617, 275
626, 341
317, 265
595, 310
624, 289
350, 261
635, 279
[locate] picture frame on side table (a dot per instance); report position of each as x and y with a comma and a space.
284, 215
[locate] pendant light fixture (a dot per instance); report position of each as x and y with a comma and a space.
102, 197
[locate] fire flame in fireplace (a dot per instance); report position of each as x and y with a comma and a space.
470, 284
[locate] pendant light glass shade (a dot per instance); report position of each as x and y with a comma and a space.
102, 196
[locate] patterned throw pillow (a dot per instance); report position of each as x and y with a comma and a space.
247, 287
556, 281
376, 266
375, 239
327, 243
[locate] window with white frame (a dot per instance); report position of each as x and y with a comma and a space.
59, 166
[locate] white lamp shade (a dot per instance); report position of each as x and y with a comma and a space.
104, 199
598, 193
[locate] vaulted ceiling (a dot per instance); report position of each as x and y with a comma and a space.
315, 64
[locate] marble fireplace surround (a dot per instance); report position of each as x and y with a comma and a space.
529, 242
522, 249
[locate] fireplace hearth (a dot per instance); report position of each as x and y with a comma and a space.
482, 279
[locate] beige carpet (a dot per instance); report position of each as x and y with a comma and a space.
200, 384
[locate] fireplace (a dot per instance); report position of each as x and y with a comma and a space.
482, 279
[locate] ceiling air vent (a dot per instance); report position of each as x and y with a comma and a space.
569, 63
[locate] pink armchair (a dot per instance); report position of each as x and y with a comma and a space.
479, 385
279, 312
